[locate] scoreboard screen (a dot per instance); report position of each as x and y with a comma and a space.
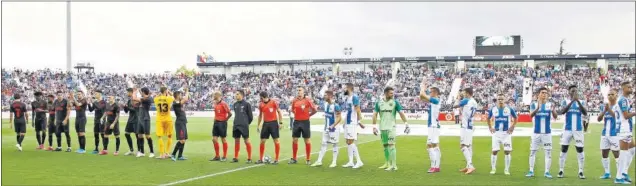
497, 45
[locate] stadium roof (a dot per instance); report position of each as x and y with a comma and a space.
422, 59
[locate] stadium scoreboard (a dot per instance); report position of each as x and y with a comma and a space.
497, 45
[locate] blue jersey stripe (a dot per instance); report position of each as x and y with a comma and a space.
542, 120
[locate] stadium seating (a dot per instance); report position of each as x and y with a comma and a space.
487, 82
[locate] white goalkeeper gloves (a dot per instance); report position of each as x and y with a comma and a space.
375, 130
407, 129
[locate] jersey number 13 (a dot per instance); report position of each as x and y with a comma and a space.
163, 107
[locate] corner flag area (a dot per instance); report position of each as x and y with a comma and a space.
38, 167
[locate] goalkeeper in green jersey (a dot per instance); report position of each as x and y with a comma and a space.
387, 108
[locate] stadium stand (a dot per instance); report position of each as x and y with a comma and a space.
489, 79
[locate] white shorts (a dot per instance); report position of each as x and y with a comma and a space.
610, 142
625, 137
350, 131
331, 137
501, 138
466, 136
539, 140
567, 136
433, 135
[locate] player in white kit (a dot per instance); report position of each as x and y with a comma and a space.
502, 132
433, 125
541, 112
469, 107
352, 115
609, 135
331, 133
574, 109
625, 131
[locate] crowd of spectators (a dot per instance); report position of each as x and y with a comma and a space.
487, 81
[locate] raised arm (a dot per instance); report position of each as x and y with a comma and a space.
602, 114
534, 107
566, 107
126, 108
582, 107
461, 103
134, 95
423, 95
68, 112
185, 97
91, 107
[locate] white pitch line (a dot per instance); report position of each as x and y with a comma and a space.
244, 168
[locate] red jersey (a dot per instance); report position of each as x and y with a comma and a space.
221, 111
302, 108
269, 110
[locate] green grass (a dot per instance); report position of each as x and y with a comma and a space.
33, 167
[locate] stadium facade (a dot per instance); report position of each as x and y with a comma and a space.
602, 61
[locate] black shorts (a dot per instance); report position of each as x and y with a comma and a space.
239, 132
51, 126
130, 127
270, 129
97, 127
143, 127
301, 129
219, 129
113, 131
40, 124
80, 125
181, 129
19, 126
59, 127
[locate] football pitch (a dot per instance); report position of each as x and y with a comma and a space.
38, 167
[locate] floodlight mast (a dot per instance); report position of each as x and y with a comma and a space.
68, 37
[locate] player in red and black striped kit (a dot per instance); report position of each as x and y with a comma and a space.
80, 119
180, 124
62, 113
38, 107
111, 127
98, 105
303, 108
20, 112
51, 124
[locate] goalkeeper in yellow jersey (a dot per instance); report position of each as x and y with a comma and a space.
163, 103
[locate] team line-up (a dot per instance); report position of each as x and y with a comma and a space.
616, 133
